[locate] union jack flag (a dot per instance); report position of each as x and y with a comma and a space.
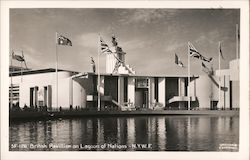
104, 47
194, 53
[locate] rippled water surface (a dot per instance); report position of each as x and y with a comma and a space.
157, 133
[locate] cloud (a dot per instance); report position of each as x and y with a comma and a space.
147, 15
174, 45
36, 59
210, 37
134, 44
88, 40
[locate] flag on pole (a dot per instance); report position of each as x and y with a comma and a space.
61, 40
104, 47
178, 61
18, 57
221, 51
114, 41
93, 64
194, 53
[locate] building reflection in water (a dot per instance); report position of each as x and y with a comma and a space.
171, 133
47, 132
110, 130
151, 125
100, 132
130, 131
118, 131
141, 130
161, 133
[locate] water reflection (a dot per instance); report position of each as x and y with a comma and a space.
171, 133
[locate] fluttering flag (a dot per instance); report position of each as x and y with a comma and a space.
104, 47
194, 53
61, 40
93, 64
18, 57
178, 61
221, 51
114, 41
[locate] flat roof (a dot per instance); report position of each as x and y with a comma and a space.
136, 75
49, 70
37, 71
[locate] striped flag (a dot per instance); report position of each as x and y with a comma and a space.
194, 53
104, 47
178, 61
61, 40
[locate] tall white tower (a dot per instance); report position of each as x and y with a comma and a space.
113, 65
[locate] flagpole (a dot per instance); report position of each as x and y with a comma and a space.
11, 82
219, 104
237, 39
211, 99
188, 77
98, 85
22, 69
56, 72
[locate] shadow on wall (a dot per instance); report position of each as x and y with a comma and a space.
217, 85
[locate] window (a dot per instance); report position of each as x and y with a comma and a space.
141, 83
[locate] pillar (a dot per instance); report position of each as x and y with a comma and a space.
102, 85
121, 90
131, 90
162, 91
181, 86
71, 81
225, 92
49, 97
151, 92
36, 96
181, 90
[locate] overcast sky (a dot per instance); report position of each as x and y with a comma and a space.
150, 37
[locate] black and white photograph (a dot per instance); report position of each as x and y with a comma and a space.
125, 79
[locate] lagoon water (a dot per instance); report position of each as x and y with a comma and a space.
139, 133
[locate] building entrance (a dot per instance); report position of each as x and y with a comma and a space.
141, 98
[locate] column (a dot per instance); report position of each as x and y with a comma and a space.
49, 97
226, 91
161, 91
102, 85
71, 81
31, 97
151, 92
131, 90
121, 90
181, 88
36, 96
45, 101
